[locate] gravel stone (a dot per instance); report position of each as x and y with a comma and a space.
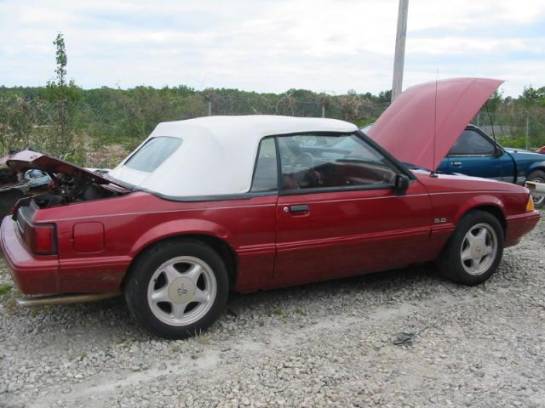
326, 344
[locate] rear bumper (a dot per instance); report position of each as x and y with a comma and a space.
32, 275
519, 225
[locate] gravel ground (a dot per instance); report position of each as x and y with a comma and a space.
398, 339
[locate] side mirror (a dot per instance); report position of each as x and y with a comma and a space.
401, 184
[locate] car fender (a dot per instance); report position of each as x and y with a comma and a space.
535, 166
483, 200
176, 228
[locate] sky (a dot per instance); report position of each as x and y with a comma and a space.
272, 45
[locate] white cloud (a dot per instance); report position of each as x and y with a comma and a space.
269, 45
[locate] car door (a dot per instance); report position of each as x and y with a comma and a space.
475, 154
338, 214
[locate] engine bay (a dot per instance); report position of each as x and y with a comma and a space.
67, 189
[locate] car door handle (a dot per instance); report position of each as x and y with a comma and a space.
297, 209
456, 164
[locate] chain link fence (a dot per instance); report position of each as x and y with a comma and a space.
515, 127
107, 123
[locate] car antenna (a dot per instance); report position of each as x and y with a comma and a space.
433, 173
491, 121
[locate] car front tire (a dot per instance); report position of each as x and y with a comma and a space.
474, 251
177, 288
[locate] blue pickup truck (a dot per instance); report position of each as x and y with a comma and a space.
477, 154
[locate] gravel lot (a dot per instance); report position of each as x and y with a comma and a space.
332, 343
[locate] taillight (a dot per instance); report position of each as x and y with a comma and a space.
43, 239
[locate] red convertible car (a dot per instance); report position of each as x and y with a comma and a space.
210, 205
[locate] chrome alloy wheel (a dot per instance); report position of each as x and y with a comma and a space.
479, 249
182, 291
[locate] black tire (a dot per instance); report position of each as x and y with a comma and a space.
539, 177
136, 287
450, 262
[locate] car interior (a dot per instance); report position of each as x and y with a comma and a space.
326, 166
310, 162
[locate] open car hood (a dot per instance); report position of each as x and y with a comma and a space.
28, 159
423, 123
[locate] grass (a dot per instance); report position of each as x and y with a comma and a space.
5, 288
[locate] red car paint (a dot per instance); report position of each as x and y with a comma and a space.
28, 159
343, 234
423, 123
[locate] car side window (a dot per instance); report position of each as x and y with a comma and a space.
266, 168
326, 161
472, 143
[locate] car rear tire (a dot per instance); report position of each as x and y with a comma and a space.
538, 176
177, 288
474, 251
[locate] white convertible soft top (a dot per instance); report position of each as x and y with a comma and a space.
217, 153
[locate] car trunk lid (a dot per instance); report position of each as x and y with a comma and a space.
28, 159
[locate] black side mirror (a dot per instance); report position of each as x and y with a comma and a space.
401, 184
498, 153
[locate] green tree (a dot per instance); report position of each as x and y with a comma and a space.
63, 96
15, 123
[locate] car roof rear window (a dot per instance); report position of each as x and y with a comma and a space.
153, 153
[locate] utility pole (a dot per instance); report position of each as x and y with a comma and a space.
399, 58
527, 130
324, 102
208, 94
